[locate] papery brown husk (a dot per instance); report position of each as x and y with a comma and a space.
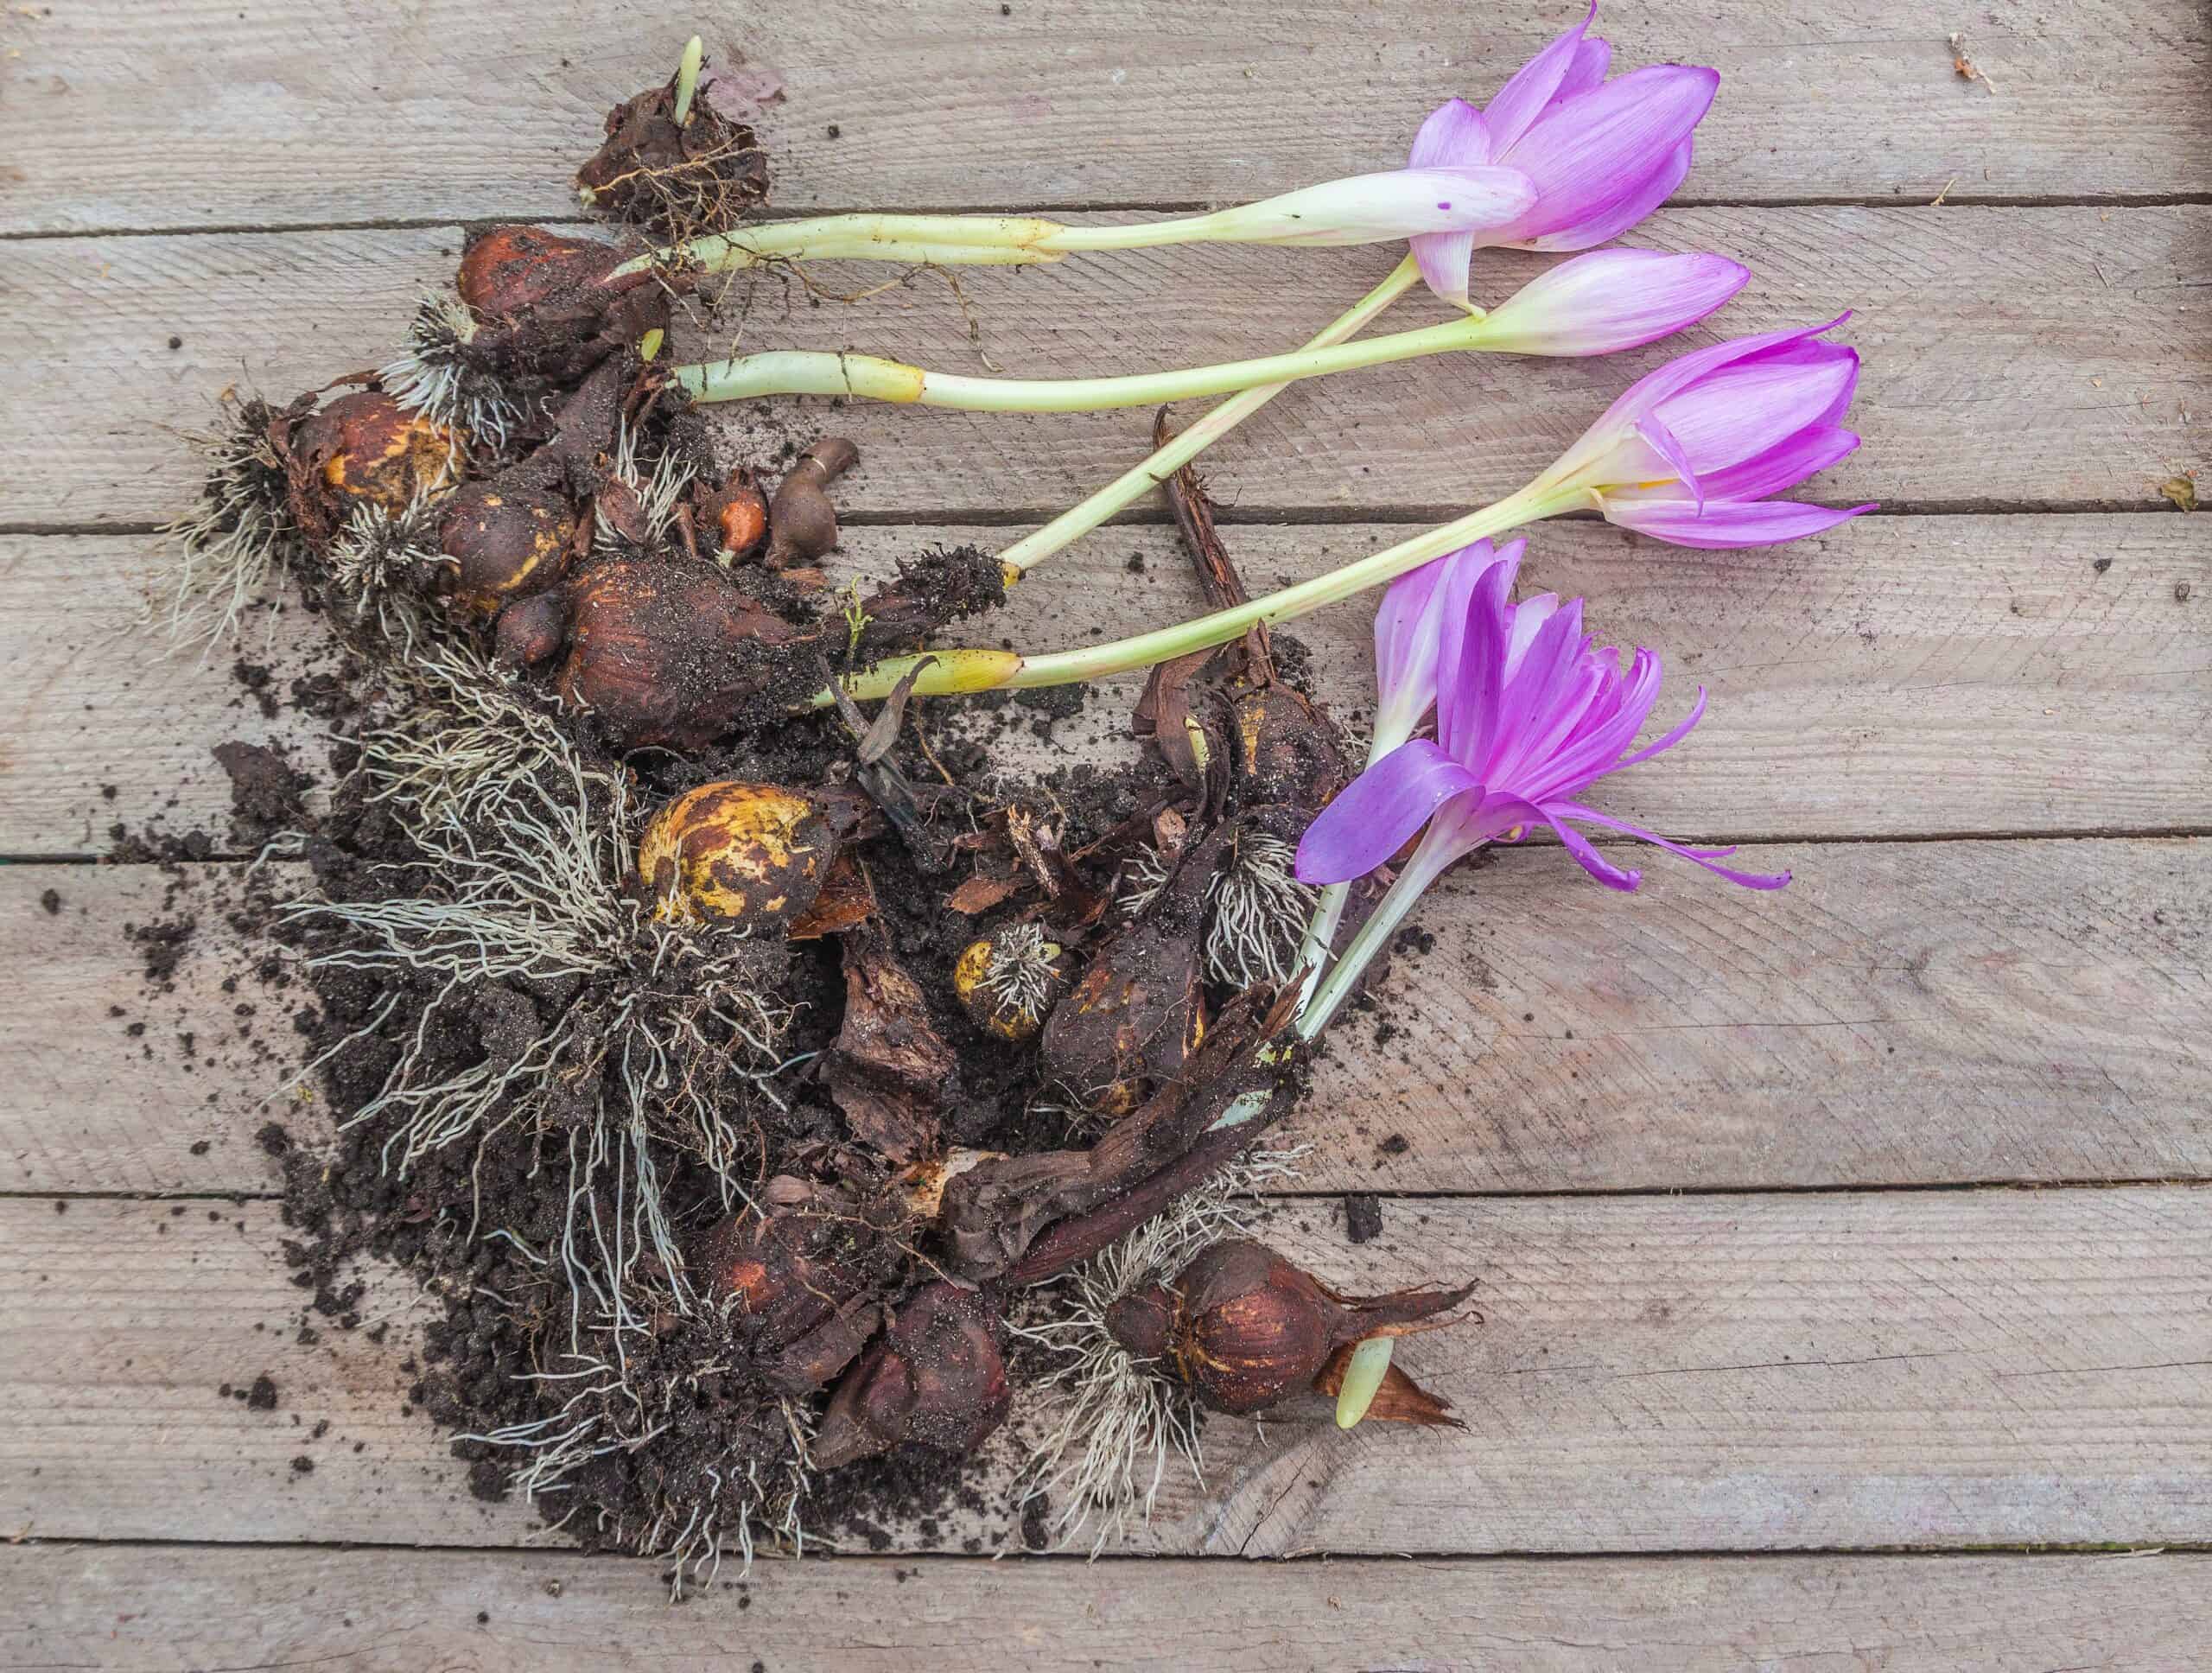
667, 652
937, 1378
677, 181
547, 310
890, 1070
362, 448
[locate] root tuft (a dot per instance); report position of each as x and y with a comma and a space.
1107, 1457
1257, 911
239, 535
432, 375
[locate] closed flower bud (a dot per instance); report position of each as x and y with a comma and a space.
1010, 979
937, 1378
507, 540
1245, 1329
747, 855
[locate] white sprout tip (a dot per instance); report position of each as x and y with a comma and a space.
1370, 1361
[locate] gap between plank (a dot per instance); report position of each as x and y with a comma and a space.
1231, 516
1195, 206
1708, 839
1911, 1187
1684, 1553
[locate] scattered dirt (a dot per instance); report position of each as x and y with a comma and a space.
660, 1171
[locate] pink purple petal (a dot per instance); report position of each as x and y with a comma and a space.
1379, 812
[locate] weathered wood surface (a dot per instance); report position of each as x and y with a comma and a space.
1656, 1374
2014, 358
159, 1610
1903, 676
299, 112
1781, 1371
1903, 1014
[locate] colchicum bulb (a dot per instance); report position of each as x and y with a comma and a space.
1010, 979
1245, 1329
751, 855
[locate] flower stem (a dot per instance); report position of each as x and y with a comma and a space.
941, 240
687, 78
1070, 526
1120, 656
811, 372
1428, 862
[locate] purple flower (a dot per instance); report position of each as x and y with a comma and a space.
1408, 633
1611, 300
1690, 452
1529, 713
1601, 155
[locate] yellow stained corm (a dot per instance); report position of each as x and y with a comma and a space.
748, 855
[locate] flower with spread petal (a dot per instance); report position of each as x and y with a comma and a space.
1529, 713
1601, 155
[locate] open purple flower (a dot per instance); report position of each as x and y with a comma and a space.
1691, 451
1529, 713
1601, 155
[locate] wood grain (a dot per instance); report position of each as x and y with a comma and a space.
304, 112
168, 1610
1903, 1014
1920, 676
1777, 1372
2014, 358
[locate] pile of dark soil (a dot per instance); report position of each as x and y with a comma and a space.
725, 1205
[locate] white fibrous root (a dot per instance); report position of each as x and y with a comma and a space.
239, 535
610, 1410
475, 736
1107, 1455
656, 488
1022, 975
521, 908
380, 564
1144, 874
1256, 913
432, 376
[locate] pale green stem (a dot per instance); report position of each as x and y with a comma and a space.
962, 670
1070, 526
687, 78
1370, 1362
813, 372
939, 240
1428, 861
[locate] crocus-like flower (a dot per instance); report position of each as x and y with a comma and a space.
1601, 155
1409, 636
1529, 713
1690, 452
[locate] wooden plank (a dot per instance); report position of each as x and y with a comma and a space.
2073, 334
307, 113
1793, 1371
1921, 676
1903, 1014
121, 1607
